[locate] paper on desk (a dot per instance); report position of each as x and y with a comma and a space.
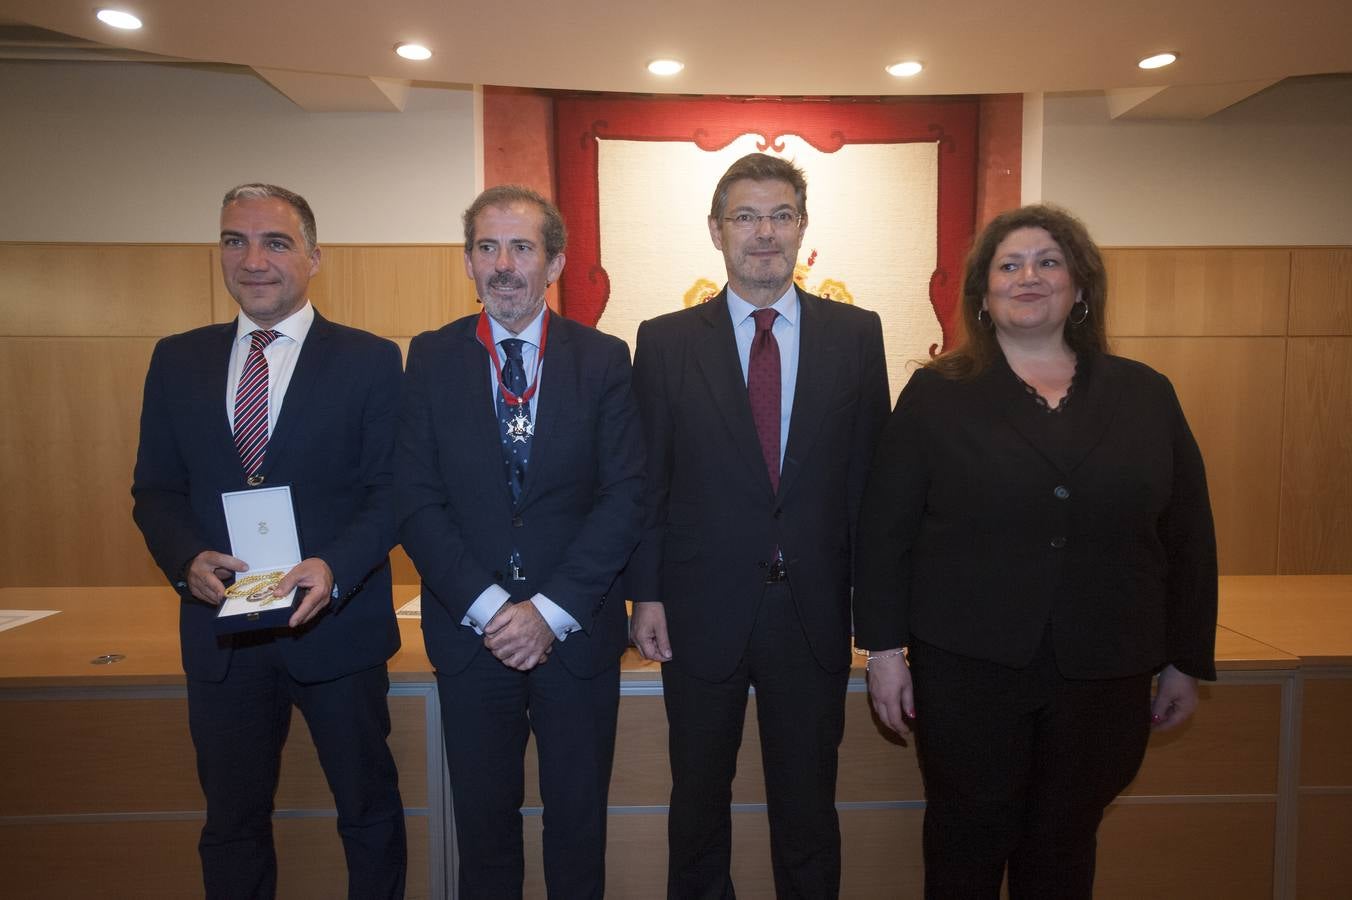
13, 618
412, 609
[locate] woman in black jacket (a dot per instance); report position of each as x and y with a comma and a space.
1036, 533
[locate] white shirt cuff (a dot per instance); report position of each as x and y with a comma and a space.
485, 607
555, 617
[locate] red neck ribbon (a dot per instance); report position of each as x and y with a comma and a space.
484, 332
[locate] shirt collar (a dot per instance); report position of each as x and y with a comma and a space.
530, 334
786, 306
294, 326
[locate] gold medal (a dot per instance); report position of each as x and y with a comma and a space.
255, 589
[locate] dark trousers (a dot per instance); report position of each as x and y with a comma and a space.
488, 710
801, 714
1019, 765
239, 726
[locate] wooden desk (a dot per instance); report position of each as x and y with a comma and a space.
100, 795
1310, 616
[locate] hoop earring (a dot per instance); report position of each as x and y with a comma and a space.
983, 317
1084, 313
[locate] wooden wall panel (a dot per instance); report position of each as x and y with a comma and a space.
108, 860
390, 290
83, 756
66, 458
1323, 865
1229, 388
1321, 291
1197, 291
1326, 733
1232, 767
109, 290
1186, 850
1315, 536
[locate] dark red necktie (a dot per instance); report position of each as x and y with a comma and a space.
762, 388
251, 403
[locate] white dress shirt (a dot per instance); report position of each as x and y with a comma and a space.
281, 355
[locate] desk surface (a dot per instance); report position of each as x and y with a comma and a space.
1306, 615
1266, 622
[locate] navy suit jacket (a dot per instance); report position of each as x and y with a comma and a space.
577, 519
332, 445
712, 520
980, 530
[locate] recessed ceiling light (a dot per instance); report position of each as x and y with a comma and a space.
904, 69
665, 66
412, 51
1158, 61
118, 19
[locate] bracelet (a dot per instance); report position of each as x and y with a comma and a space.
900, 651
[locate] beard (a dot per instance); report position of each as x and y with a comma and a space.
507, 300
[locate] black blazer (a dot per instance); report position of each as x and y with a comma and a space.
712, 521
979, 529
331, 445
577, 519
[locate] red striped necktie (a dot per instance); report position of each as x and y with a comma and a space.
251, 404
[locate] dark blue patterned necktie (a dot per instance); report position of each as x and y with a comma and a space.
515, 420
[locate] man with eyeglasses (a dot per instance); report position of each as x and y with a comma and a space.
760, 410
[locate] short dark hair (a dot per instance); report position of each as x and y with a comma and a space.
760, 167
977, 346
257, 191
503, 195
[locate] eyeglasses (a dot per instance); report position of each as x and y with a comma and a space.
779, 221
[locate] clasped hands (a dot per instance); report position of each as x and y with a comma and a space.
519, 636
209, 569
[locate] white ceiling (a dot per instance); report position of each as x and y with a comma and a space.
791, 48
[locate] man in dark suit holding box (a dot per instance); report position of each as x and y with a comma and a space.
280, 396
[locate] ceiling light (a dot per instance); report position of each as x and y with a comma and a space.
904, 69
665, 66
1158, 61
412, 51
118, 19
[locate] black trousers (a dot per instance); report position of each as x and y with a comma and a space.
488, 711
1019, 765
239, 726
801, 715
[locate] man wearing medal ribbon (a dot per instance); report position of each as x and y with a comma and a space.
280, 396
518, 478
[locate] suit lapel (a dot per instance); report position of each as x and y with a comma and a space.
310, 366
475, 407
717, 359
814, 385
1098, 401
216, 359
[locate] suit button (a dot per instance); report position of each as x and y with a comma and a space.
1058, 543
778, 513
517, 522
763, 564
1061, 492
497, 576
